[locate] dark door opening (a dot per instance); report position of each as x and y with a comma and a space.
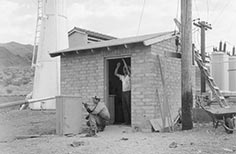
115, 88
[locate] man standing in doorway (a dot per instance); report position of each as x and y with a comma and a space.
126, 91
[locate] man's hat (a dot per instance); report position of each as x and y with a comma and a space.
97, 98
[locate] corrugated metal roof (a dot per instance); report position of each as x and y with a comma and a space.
150, 38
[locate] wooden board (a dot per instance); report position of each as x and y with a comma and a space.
156, 124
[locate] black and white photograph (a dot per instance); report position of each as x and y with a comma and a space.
117, 77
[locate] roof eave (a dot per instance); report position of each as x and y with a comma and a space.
147, 42
158, 39
61, 52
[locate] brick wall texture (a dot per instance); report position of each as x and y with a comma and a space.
83, 74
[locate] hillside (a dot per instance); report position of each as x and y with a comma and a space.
16, 75
15, 54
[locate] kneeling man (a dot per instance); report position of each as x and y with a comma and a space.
98, 116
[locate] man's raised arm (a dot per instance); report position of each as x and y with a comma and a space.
116, 70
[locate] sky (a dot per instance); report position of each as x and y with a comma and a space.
123, 18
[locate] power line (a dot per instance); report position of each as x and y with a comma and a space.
221, 12
196, 8
198, 34
34, 2
177, 15
196, 37
207, 10
195, 33
194, 30
141, 16
232, 45
210, 46
177, 10
229, 27
217, 3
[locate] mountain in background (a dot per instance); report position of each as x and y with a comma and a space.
16, 74
15, 54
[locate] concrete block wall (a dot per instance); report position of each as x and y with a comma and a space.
83, 74
171, 68
144, 84
173, 75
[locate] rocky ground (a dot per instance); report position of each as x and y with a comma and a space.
16, 128
16, 80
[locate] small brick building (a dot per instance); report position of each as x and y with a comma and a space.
88, 70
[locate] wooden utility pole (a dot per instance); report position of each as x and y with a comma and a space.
186, 64
203, 26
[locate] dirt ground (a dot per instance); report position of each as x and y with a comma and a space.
116, 139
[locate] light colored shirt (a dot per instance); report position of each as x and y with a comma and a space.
102, 111
125, 82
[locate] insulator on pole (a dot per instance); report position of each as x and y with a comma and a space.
214, 49
220, 46
233, 52
224, 47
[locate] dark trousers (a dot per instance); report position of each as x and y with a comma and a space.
96, 122
126, 105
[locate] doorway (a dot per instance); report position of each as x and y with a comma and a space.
114, 89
